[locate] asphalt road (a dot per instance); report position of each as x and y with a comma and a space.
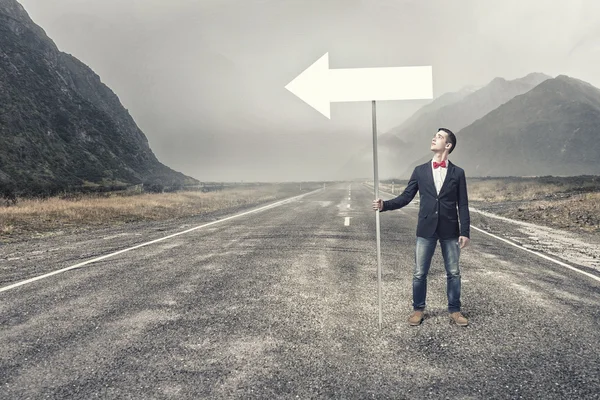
282, 303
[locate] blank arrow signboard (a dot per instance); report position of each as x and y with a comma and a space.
319, 86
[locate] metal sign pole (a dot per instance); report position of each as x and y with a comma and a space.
376, 186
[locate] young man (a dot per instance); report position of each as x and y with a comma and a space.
442, 189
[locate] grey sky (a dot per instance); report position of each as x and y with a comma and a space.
205, 79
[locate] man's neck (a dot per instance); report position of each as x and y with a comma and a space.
439, 157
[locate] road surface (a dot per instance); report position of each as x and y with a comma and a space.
282, 303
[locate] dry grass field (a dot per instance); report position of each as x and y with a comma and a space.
31, 217
571, 203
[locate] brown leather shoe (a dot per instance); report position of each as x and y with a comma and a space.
459, 319
416, 318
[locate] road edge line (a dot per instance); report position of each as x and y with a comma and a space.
521, 247
36, 278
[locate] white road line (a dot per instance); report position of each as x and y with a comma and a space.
347, 221
538, 254
531, 251
276, 204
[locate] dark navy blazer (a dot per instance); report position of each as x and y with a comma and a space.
437, 213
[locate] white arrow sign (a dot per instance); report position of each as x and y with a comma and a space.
319, 86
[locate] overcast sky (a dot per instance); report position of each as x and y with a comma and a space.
204, 79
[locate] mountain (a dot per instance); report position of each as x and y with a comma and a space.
454, 111
361, 163
444, 100
551, 130
60, 126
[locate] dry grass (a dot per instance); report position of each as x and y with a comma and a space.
562, 202
40, 216
496, 190
510, 190
571, 203
581, 211
517, 189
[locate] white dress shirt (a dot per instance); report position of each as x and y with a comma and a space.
439, 175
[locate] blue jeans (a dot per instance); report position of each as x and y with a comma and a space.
423, 255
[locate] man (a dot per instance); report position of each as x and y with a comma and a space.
442, 189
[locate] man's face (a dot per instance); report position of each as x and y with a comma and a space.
438, 142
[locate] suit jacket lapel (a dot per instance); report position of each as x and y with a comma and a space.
449, 174
429, 175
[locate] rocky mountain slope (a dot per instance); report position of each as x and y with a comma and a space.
60, 126
554, 129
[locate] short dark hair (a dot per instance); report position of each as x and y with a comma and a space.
451, 138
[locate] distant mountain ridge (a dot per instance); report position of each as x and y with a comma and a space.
551, 130
403, 144
60, 126
444, 100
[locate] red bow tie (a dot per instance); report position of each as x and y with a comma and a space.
442, 164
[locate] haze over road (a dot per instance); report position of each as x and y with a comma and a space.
283, 303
